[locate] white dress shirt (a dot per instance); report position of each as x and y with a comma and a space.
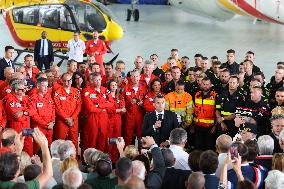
9, 62
76, 49
45, 50
181, 157
221, 158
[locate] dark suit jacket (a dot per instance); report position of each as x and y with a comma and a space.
37, 50
211, 181
175, 178
3, 65
155, 177
162, 134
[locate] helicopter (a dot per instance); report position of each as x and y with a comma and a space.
26, 20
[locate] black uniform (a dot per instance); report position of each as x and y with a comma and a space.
159, 73
226, 103
233, 68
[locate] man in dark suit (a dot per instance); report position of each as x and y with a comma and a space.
208, 164
43, 52
6, 61
173, 178
160, 122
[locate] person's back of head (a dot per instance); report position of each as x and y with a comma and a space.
20, 186
208, 162
92, 159
134, 183
246, 184
72, 178
196, 180
139, 169
223, 143
253, 149
66, 149
104, 167
168, 157
265, 145
9, 166
7, 137
31, 172
178, 136
123, 168
194, 159
131, 152
278, 161
85, 186
274, 180
145, 160
68, 163
54, 148
243, 152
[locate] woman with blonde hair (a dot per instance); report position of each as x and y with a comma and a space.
278, 162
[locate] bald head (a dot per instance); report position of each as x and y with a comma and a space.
8, 73
134, 183
223, 143
8, 137
196, 181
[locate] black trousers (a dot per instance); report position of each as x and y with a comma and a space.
204, 139
43, 61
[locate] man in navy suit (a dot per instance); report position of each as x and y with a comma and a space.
6, 61
160, 122
43, 52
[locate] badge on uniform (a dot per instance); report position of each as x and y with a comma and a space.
18, 105
39, 105
151, 99
118, 101
12, 104
62, 98
87, 93
8, 91
104, 95
128, 93
93, 96
179, 101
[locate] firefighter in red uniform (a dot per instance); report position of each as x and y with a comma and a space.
67, 108
147, 76
115, 113
9, 74
155, 90
16, 106
43, 115
108, 74
134, 94
96, 130
31, 70
98, 48
3, 117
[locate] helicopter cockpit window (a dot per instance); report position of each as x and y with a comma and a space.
25, 15
88, 17
49, 16
66, 22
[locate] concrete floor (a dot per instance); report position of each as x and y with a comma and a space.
162, 28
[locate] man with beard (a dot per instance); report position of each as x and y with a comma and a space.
43, 53
226, 106
170, 86
231, 65
97, 48
204, 116
197, 60
184, 69
223, 84
157, 71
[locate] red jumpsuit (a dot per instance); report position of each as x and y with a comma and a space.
12, 105
43, 114
115, 121
134, 112
5, 90
96, 130
3, 116
67, 105
105, 80
149, 101
100, 47
35, 71
142, 79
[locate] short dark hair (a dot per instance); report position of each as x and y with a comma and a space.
31, 172
216, 63
204, 58
95, 74
95, 64
192, 69
20, 185
180, 83
214, 57
123, 168
196, 69
41, 79
160, 96
153, 81
235, 77
168, 157
194, 159
174, 50
85, 186
246, 184
261, 74
9, 165
226, 70
103, 167
8, 48
206, 79
253, 149
208, 162
108, 64
185, 57
28, 55
70, 61
198, 55
243, 151
231, 51
175, 67
250, 52
145, 160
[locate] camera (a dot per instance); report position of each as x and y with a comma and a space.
27, 132
112, 140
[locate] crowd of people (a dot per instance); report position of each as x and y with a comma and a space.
162, 125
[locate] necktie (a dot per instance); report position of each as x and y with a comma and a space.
160, 117
10, 63
42, 50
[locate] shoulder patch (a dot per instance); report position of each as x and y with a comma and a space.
87, 93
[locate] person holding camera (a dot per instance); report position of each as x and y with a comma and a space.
160, 122
17, 109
